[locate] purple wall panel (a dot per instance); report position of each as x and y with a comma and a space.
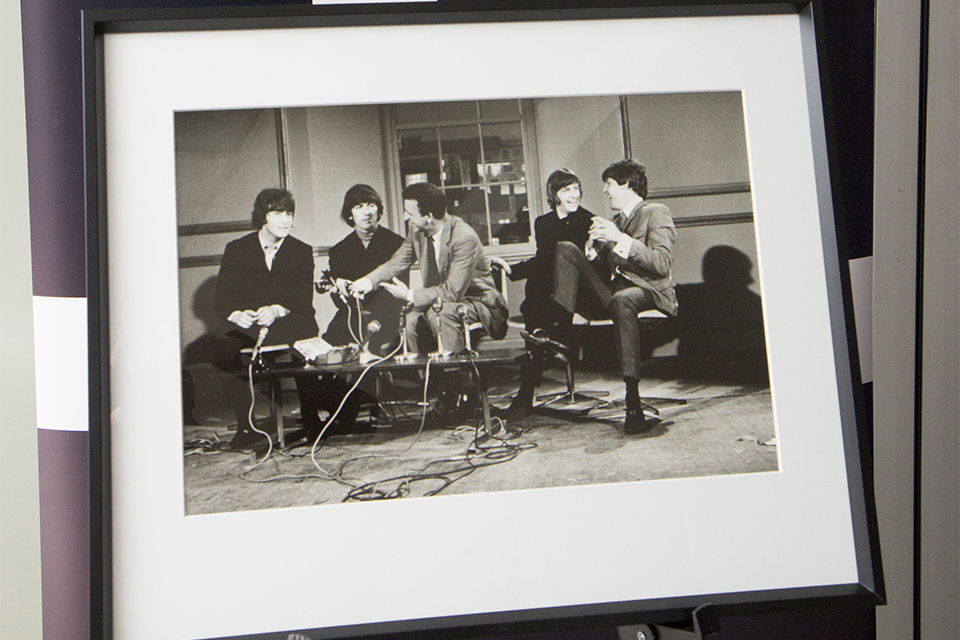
64, 534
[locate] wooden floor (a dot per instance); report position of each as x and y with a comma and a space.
713, 424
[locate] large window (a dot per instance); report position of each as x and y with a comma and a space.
474, 151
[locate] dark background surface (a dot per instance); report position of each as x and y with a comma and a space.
54, 118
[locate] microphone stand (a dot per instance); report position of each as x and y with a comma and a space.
441, 352
464, 324
406, 356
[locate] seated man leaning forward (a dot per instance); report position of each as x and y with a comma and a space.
455, 274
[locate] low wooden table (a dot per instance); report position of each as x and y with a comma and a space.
475, 362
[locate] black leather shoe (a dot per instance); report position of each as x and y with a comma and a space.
635, 423
521, 406
247, 440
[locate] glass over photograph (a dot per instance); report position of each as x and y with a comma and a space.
385, 301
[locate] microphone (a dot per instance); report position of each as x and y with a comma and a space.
373, 327
260, 338
462, 316
438, 307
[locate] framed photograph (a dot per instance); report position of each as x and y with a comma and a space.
609, 378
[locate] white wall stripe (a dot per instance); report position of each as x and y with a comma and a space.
60, 343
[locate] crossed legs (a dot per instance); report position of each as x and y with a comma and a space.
580, 287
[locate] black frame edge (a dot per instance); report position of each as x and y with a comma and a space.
863, 451
101, 567
210, 18
572, 618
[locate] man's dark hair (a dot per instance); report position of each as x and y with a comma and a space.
428, 197
629, 172
558, 180
360, 194
271, 200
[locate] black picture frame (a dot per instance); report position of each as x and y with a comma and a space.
867, 589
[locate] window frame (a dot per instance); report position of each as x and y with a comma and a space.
535, 200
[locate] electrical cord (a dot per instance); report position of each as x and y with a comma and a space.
355, 336
464, 465
252, 422
482, 451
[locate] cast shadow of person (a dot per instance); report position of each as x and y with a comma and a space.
720, 321
211, 387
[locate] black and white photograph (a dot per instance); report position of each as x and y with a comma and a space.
403, 300
410, 291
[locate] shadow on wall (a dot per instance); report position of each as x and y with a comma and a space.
210, 362
720, 321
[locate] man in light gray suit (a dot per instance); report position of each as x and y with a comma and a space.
454, 270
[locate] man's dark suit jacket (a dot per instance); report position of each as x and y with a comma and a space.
245, 283
350, 260
548, 230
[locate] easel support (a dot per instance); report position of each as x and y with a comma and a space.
706, 623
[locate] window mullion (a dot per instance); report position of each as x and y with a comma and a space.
443, 178
484, 185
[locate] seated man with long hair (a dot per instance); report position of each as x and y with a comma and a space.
265, 288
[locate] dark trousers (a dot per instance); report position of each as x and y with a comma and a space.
579, 287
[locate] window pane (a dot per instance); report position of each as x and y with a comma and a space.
415, 113
460, 147
509, 214
503, 152
418, 156
457, 111
470, 204
500, 109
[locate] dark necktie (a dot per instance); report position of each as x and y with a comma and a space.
433, 271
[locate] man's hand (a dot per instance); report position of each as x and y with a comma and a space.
397, 289
590, 251
605, 230
268, 313
500, 262
343, 287
243, 319
361, 287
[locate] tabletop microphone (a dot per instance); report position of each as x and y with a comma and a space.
373, 327
464, 324
438, 307
260, 338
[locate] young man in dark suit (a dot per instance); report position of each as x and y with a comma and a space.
265, 284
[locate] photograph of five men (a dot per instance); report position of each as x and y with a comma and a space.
445, 264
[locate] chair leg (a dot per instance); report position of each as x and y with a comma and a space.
571, 395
